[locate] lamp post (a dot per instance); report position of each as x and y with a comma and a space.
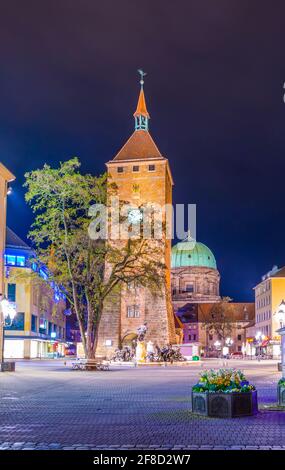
7, 313
217, 345
259, 337
229, 342
281, 314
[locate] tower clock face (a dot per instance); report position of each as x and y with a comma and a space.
135, 216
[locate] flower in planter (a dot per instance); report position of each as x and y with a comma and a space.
223, 380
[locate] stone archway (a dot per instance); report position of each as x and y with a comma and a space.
128, 339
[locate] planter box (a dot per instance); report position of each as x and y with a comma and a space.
7, 366
281, 395
225, 405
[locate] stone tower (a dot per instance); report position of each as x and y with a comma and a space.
142, 175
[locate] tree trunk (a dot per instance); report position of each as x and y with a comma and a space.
90, 331
96, 333
82, 333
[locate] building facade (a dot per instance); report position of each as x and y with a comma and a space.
205, 326
194, 274
269, 314
142, 176
194, 279
38, 329
195, 283
5, 178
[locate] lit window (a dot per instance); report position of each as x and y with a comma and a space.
21, 261
43, 274
11, 260
34, 267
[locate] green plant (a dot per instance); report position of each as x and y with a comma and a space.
223, 380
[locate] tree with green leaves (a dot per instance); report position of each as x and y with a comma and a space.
86, 270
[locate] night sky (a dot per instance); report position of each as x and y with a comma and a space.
214, 89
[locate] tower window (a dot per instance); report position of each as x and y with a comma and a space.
136, 168
133, 311
120, 169
151, 167
189, 288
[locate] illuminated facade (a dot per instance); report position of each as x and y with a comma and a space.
38, 329
5, 177
194, 274
269, 314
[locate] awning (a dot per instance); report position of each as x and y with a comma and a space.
250, 339
265, 343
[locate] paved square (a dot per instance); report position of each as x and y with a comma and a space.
47, 405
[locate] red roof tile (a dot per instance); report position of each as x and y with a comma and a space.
140, 146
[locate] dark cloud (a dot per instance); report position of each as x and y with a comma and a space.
68, 86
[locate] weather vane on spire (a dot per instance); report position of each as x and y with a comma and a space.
142, 75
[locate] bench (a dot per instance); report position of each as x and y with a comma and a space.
91, 364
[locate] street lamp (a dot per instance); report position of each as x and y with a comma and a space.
281, 314
259, 336
229, 342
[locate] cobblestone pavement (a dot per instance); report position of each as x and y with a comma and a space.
46, 405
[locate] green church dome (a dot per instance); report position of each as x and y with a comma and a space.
191, 253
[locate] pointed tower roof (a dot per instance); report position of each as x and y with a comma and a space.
141, 106
140, 145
